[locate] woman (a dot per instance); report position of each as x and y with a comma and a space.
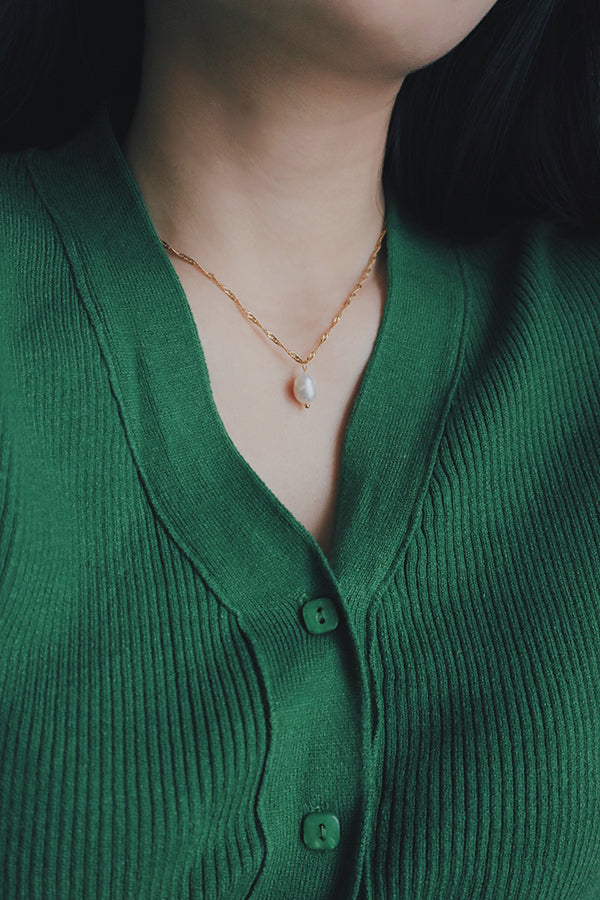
250, 649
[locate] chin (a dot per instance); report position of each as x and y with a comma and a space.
397, 36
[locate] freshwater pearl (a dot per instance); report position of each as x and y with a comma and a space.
305, 389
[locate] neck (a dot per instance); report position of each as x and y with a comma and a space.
253, 161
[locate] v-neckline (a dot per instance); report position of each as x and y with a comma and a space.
242, 538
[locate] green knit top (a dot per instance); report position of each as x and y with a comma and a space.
194, 701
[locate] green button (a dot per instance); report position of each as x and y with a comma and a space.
321, 831
320, 615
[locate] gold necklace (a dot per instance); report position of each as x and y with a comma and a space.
304, 387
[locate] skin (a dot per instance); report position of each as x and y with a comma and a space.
258, 142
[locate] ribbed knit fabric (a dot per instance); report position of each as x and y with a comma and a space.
166, 718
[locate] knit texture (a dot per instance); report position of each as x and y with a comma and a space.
166, 719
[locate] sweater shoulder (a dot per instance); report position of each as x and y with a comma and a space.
32, 250
31, 241
534, 329
36, 284
21, 208
537, 269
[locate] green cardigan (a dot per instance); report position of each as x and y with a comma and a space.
178, 717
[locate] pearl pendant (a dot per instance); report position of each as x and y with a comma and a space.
305, 389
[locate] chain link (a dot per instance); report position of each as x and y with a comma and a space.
252, 318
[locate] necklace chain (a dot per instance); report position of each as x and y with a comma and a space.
252, 318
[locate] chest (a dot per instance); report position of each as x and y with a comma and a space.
296, 452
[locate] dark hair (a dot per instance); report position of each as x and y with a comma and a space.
60, 61
505, 125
